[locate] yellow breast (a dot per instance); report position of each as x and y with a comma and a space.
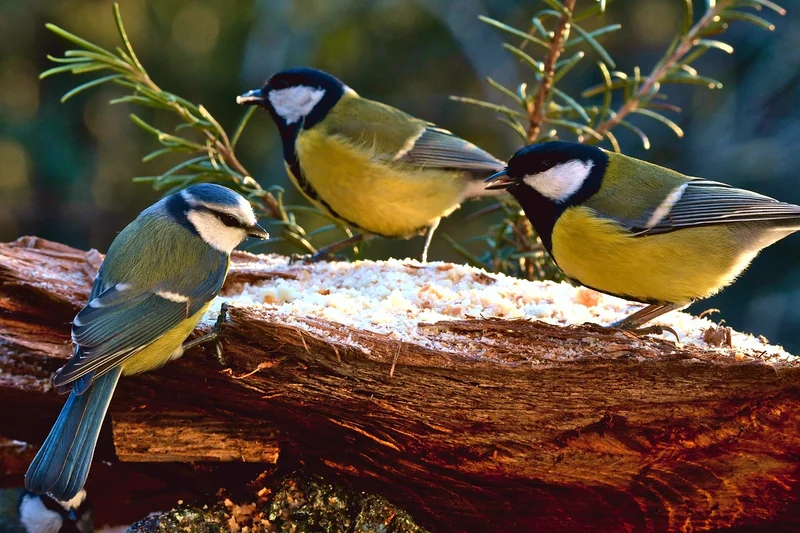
380, 197
675, 267
162, 350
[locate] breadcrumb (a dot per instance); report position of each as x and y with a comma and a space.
394, 297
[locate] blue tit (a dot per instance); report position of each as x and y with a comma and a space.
639, 231
160, 275
39, 513
366, 164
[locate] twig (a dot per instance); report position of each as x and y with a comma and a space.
537, 112
660, 71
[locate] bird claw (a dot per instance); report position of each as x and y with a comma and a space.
310, 259
214, 335
655, 330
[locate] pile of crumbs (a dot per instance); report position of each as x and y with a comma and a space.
394, 297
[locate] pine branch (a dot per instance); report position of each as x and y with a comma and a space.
212, 156
689, 41
514, 248
537, 111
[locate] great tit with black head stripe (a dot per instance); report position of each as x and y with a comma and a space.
639, 231
371, 166
160, 275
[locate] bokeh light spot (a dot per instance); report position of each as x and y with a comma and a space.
15, 172
19, 89
655, 21
195, 29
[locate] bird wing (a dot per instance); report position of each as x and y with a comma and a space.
393, 135
121, 320
700, 202
439, 148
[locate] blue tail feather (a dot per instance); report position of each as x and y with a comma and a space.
62, 464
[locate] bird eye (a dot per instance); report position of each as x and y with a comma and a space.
229, 220
280, 83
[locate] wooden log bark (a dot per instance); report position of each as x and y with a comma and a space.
624, 434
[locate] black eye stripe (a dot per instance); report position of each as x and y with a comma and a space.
227, 219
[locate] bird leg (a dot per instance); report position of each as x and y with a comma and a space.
634, 321
326, 253
213, 335
429, 238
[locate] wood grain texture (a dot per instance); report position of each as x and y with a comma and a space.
551, 428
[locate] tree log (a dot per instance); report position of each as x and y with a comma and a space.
626, 434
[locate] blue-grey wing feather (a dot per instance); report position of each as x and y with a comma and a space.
707, 203
438, 148
120, 322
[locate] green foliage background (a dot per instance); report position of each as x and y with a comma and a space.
65, 170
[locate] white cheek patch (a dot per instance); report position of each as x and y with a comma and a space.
246, 211
666, 206
294, 103
34, 516
214, 232
561, 181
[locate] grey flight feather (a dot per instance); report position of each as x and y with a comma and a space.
708, 203
438, 148
62, 464
102, 332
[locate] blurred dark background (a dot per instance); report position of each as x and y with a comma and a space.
66, 169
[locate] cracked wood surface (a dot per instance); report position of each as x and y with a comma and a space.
550, 428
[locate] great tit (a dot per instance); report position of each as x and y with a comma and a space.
25, 512
160, 275
639, 231
369, 165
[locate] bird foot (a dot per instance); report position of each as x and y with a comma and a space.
214, 335
310, 259
655, 330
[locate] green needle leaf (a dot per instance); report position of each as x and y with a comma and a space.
688, 16
748, 17
575, 127
571, 103
613, 140
494, 107
645, 141
77, 40
719, 45
537, 66
89, 85
566, 66
124, 36
594, 33
514, 31
773, 6
242, 123
661, 118
558, 6
597, 47
511, 94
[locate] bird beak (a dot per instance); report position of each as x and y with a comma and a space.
254, 97
499, 180
257, 231
72, 515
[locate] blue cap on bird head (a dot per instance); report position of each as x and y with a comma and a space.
210, 193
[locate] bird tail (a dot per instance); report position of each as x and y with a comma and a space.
62, 464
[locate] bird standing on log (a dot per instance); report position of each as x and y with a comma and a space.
366, 164
159, 277
639, 231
